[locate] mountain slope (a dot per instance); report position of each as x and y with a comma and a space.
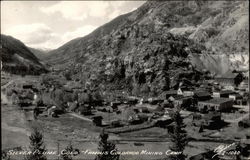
41, 54
151, 48
17, 58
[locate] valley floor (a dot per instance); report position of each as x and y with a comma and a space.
71, 128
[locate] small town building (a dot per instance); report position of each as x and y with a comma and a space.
185, 90
29, 115
229, 87
237, 98
29, 112
245, 100
245, 123
97, 120
155, 100
202, 95
132, 100
167, 104
175, 97
207, 86
167, 94
196, 119
108, 109
244, 86
183, 102
188, 93
115, 104
116, 123
211, 120
222, 94
84, 109
180, 91
27, 86
229, 79
163, 121
215, 104
135, 120
141, 110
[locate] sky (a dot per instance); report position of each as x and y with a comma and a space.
50, 24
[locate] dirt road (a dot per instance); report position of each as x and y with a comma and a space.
80, 117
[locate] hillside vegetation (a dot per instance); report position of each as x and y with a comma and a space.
17, 58
152, 48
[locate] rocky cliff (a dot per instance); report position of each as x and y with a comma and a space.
152, 48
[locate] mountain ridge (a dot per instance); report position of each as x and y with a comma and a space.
17, 58
159, 42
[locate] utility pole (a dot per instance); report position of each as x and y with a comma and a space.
58, 151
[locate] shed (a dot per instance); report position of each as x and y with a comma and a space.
97, 120
215, 104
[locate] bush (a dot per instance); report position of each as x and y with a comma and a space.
67, 75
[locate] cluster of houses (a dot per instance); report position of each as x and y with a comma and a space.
211, 98
217, 95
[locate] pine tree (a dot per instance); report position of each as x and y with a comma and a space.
166, 78
105, 147
69, 152
178, 137
37, 147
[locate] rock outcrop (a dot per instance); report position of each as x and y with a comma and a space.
152, 48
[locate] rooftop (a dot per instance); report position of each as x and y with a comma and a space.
218, 100
182, 98
228, 74
201, 94
237, 95
177, 96
227, 92
170, 92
